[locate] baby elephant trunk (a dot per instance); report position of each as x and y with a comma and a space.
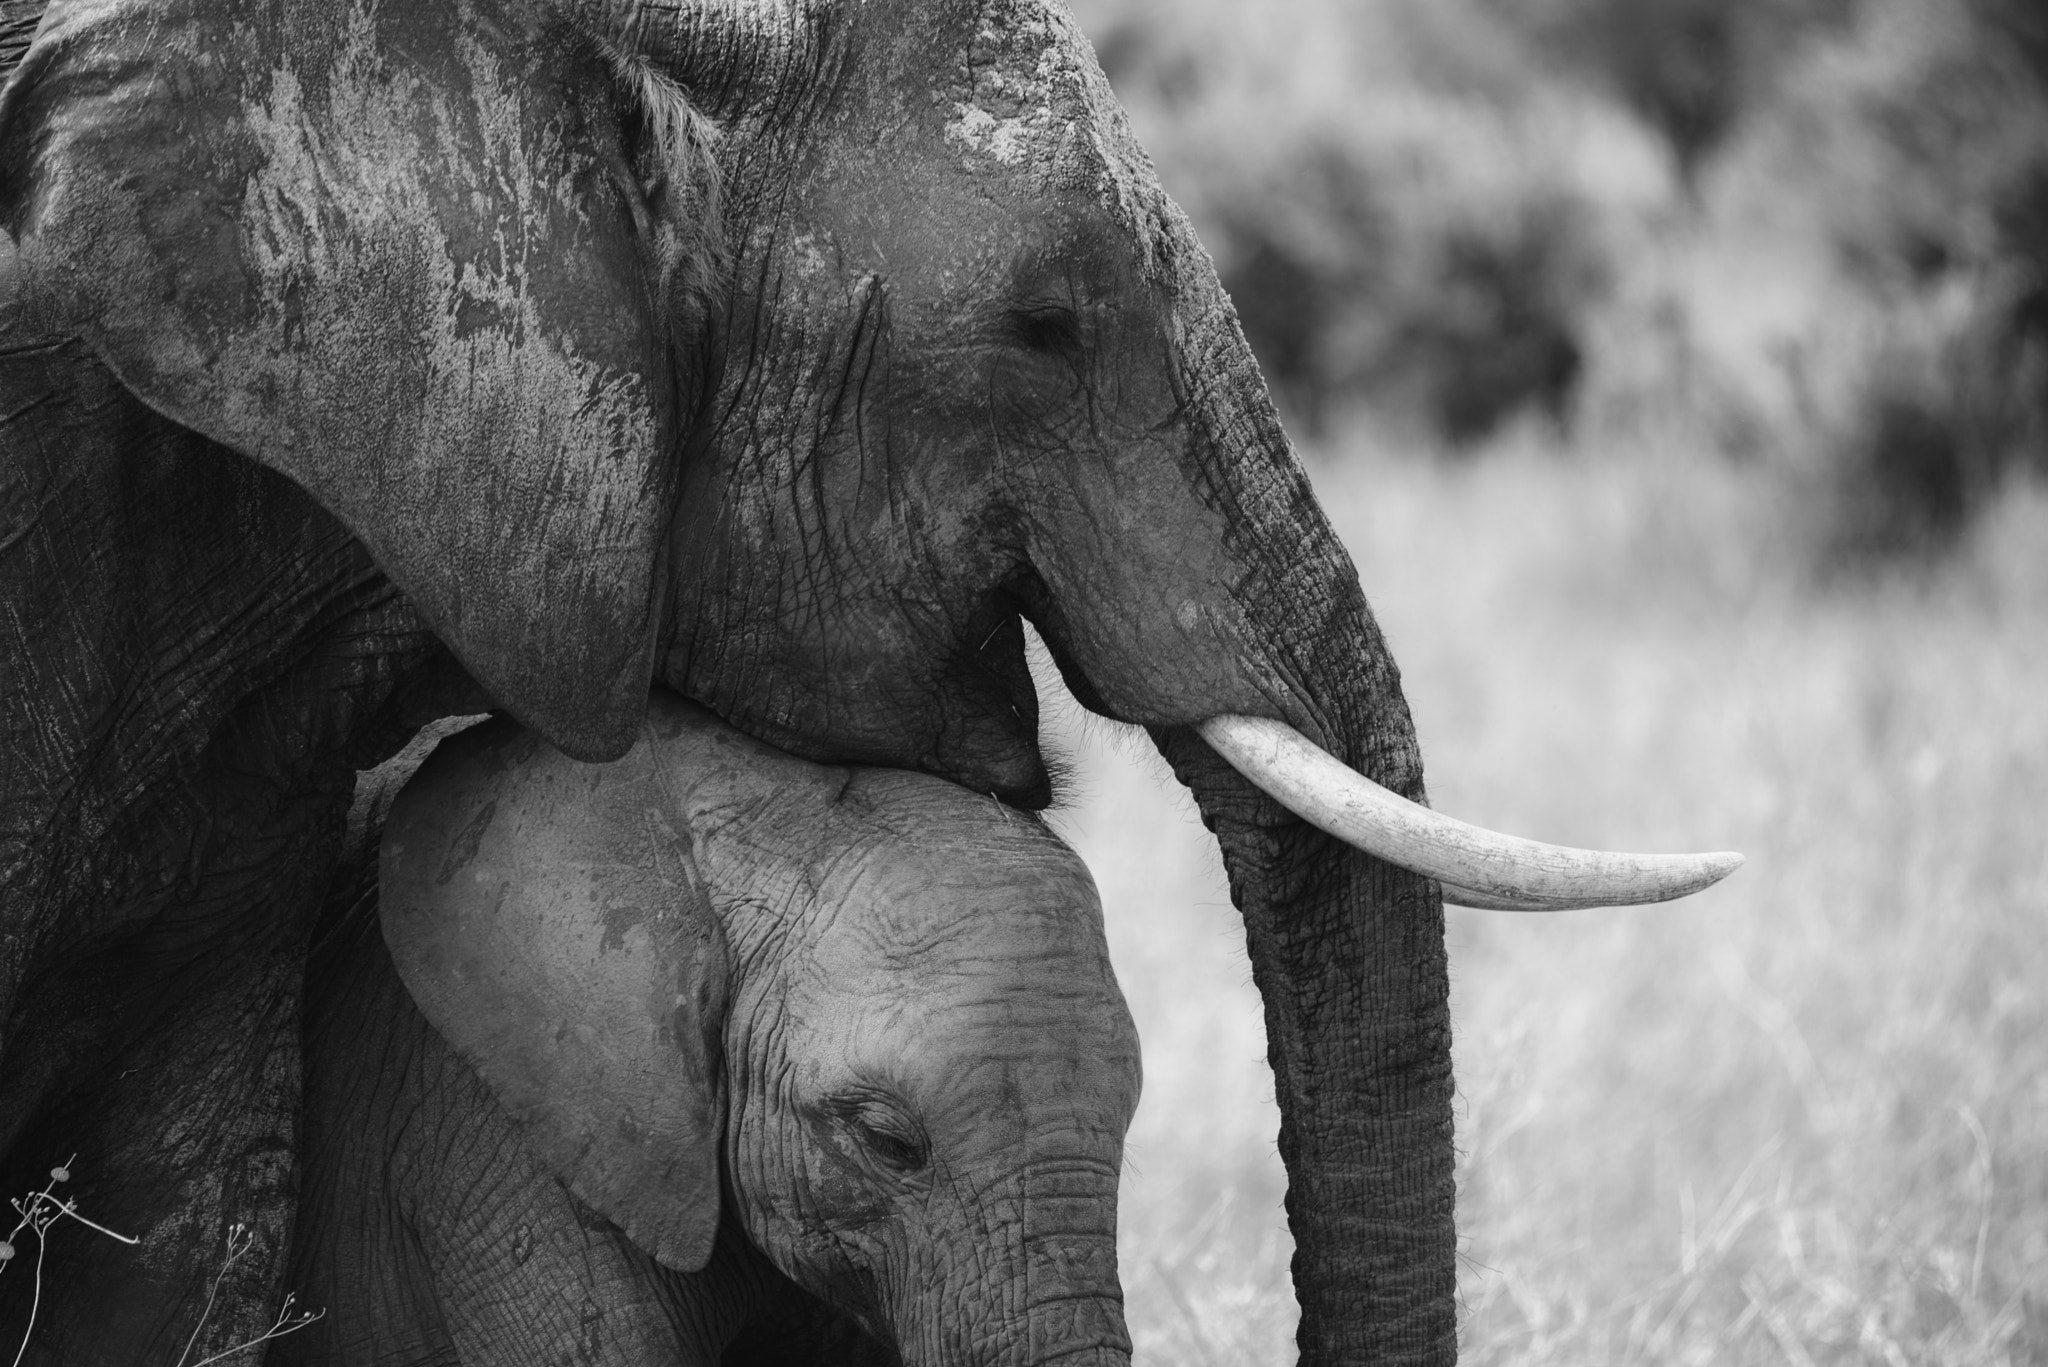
1043, 1290
1064, 1307
1075, 1316
1065, 1272
1074, 1305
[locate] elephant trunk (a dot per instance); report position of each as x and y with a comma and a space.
1347, 949
1074, 1307
1245, 603
1349, 957
1232, 623
1076, 1329
1064, 1318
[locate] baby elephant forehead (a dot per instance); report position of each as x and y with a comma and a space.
932, 862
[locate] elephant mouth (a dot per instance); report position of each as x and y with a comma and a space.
973, 718
967, 713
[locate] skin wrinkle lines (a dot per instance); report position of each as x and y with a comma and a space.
860, 408
803, 475
869, 326
306, 177
929, 1197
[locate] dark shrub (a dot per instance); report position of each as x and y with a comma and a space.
1691, 68
1905, 485
1953, 231
1388, 192
1460, 330
1499, 338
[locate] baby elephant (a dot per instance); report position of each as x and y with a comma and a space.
726, 1056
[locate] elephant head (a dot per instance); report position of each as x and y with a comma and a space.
794, 353
878, 1005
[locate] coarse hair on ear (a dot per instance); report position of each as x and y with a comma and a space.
679, 171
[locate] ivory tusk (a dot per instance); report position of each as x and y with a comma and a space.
1477, 867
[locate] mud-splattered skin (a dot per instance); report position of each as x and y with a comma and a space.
973, 291
545, 422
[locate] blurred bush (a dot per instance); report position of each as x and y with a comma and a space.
1812, 233
1404, 205
1691, 68
1905, 160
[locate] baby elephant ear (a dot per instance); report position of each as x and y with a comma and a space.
399, 253
548, 921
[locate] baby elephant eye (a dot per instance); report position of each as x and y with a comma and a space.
879, 1126
1054, 330
892, 1142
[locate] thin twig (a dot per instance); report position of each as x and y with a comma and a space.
239, 1241
35, 1302
39, 1210
69, 1209
286, 1323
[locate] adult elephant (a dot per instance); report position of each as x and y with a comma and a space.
364, 363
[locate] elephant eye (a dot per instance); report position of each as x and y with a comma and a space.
882, 1128
1053, 329
901, 1152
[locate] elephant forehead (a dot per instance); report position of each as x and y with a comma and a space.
922, 864
925, 908
1031, 99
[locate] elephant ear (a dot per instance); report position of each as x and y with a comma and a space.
547, 917
399, 253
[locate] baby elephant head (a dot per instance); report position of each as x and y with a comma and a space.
883, 1002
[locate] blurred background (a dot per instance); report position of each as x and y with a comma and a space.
1677, 371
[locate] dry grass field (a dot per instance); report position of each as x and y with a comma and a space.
1802, 1118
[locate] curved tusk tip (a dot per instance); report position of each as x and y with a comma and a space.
1692, 873
1474, 866
1716, 866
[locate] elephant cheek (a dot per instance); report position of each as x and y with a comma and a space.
819, 1221
1144, 618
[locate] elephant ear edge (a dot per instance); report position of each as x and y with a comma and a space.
549, 923
398, 253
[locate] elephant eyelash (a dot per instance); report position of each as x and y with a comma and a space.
895, 1151
892, 1138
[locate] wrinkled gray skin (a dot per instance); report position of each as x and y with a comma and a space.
359, 367
914, 1060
